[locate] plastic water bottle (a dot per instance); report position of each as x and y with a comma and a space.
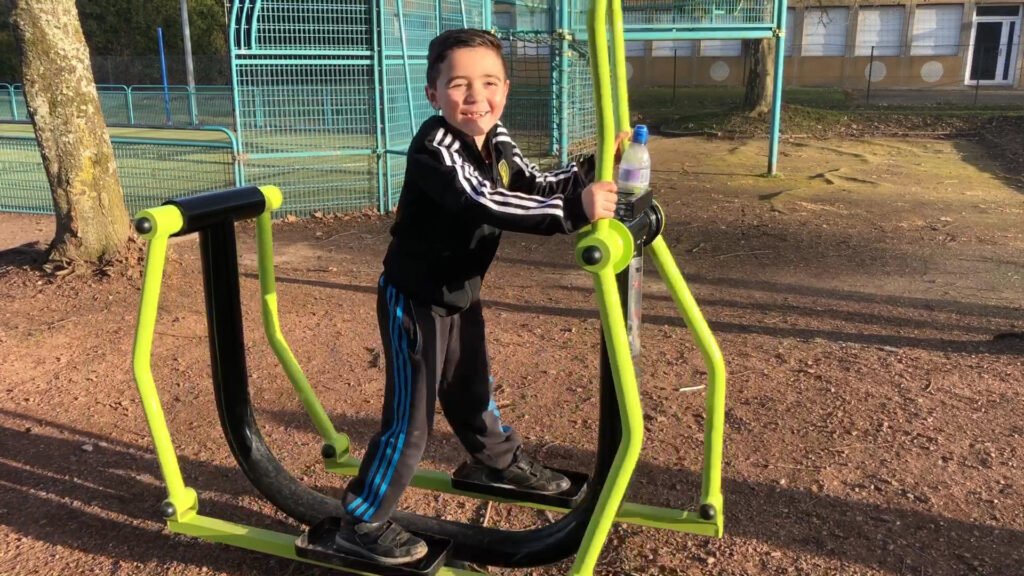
635, 168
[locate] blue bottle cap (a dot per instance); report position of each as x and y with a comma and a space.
640, 134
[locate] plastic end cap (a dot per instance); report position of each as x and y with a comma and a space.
591, 255
708, 512
143, 226
274, 197
640, 134
167, 509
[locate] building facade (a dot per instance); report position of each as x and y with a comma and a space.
891, 44
839, 43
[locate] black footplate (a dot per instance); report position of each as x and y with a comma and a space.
467, 479
317, 544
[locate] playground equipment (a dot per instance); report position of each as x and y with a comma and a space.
610, 250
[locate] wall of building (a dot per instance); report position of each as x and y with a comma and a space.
848, 70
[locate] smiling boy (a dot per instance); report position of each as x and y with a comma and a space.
465, 182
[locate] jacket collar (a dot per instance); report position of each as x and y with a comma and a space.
466, 139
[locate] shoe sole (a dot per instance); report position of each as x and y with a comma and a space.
384, 560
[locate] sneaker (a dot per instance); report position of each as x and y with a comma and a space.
526, 474
383, 542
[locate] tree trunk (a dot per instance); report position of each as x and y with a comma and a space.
760, 75
92, 221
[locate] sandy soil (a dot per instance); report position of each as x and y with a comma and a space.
869, 305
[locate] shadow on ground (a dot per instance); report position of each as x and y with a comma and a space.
65, 486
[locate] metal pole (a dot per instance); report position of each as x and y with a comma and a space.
780, 55
871, 72
163, 76
675, 74
189, 70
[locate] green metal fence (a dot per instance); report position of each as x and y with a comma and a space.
666, 19
329, 94
151, 169
144, 105
343, 102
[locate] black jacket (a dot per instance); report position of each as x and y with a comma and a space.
455, 204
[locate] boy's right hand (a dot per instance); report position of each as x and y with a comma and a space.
599, 200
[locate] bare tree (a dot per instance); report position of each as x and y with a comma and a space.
759, 59
92, 221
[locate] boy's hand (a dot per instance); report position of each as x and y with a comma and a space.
599, 200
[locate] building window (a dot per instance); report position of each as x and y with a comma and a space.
997, 11
672, 48
790, 30
825, 31
504, 21
937, 30
881, 28
721, 47
532, 20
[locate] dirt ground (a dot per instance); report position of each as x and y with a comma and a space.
869, 305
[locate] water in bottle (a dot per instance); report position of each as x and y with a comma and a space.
635, 168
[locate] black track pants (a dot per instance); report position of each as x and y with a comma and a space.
427, 356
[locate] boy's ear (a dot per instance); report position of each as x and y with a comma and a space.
431, 95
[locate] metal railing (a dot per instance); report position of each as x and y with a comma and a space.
143, 105
151, 169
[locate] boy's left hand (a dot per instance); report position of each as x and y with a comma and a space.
599, 200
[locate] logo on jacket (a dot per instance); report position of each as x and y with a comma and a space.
503, 172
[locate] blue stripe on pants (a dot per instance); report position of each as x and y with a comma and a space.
405, 407
359, 505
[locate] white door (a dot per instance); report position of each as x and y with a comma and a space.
995, 41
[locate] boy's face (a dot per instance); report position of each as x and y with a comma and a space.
471, 90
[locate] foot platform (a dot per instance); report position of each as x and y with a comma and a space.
317, 544
468, 479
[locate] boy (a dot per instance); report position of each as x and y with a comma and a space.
465, 181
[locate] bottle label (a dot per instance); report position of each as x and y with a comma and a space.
634, 176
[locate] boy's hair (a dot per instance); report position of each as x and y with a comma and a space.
442, 45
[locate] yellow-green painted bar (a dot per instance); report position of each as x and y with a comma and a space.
621, 84
714, 421
260, 540
272, 329
166, 220
631, 513
614, 241
600, 69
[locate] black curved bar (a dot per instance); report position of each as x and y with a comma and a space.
209, 208
488, 546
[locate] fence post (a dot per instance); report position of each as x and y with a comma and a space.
192, 112
871, 73
163, 75
131, 106
14, 101
675, 74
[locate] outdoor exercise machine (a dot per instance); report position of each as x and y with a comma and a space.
610, 250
